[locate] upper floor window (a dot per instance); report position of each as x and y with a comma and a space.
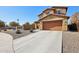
58, 12
49, 12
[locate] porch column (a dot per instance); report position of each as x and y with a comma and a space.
64, 25
35, 26
41, 25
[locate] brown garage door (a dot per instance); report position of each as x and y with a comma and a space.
52, 25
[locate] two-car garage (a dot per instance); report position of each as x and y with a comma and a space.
52, 25
53, 22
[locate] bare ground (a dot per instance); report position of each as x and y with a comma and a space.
70, 42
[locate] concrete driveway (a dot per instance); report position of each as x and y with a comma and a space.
40, 42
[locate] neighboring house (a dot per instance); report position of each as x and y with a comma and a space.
53, 18
75, 20
26, 26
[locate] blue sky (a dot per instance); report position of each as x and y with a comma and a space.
27, 13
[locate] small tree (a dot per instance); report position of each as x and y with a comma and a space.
2, 24
14, 24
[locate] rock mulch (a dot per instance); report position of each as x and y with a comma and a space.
70, 42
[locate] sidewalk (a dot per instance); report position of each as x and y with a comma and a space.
6, 43
40, 42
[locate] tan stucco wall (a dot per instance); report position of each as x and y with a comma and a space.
52, 18
64, 25
46, 13
35, 25
41, 25
38, 25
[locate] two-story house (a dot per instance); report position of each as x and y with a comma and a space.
53, 18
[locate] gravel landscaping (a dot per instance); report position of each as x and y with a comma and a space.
70, 42
13, 33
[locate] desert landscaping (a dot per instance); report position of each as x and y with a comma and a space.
70, 42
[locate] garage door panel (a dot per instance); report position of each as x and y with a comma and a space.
52, 25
